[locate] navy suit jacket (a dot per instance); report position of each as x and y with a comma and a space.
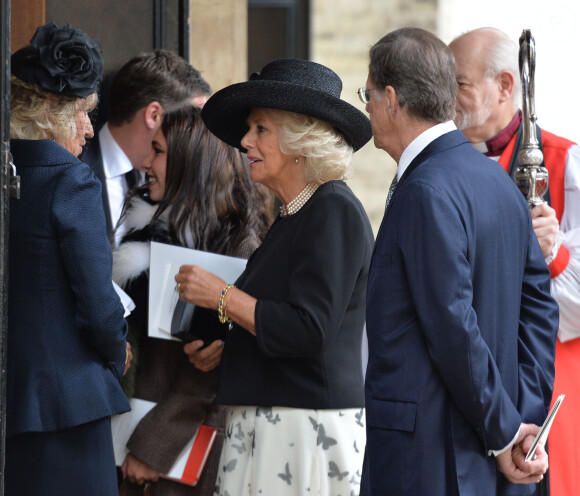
461, 328
94, 158
66, 331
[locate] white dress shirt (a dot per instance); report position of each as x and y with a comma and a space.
420, 143
115, 165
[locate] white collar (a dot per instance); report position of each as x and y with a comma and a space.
115, 162
420, 143
480, 147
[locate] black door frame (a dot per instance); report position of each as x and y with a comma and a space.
4, 203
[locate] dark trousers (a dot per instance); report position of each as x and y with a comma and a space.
73, 462
544, 486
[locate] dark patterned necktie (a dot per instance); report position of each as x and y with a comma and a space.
392, 187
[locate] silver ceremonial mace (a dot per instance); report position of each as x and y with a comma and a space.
530, 177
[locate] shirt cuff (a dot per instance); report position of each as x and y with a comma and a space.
499, 452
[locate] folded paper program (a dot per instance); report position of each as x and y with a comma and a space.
169, 316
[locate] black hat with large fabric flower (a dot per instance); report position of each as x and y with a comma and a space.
295, 85
63, 60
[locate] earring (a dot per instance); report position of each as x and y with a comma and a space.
296, 160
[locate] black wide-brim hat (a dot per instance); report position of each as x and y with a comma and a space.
294, 85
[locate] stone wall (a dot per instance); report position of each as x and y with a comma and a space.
342, 33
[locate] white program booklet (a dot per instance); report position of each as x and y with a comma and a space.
545, 429
165, 261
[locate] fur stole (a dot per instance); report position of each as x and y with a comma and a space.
131, 257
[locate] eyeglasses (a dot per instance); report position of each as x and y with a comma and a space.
365, 94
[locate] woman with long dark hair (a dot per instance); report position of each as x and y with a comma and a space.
199, 194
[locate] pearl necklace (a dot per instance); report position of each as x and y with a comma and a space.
299, 201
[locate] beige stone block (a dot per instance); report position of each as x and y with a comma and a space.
218, 42
342, 33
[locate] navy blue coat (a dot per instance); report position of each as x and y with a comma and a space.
66, 331
461, 328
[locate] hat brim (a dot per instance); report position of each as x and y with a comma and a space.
226, 112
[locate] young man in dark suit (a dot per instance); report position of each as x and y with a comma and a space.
460, 321
145, 87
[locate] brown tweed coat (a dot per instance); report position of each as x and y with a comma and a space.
162, 372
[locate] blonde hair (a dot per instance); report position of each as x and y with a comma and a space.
327, 154
39, 114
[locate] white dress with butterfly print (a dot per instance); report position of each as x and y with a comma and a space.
292, 452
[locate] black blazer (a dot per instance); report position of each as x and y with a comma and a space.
309, 276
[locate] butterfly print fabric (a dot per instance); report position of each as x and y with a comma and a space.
292, 452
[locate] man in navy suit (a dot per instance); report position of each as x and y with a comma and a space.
145, 87
460, 321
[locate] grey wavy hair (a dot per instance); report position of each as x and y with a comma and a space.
503, 55
327, 155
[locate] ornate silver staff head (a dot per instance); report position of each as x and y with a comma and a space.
530, 177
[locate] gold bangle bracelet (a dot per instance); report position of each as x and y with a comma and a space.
222, 316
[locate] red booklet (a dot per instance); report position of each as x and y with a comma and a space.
195, 455
189, 465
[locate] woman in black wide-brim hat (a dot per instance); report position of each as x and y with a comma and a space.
66, 331
291, 369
